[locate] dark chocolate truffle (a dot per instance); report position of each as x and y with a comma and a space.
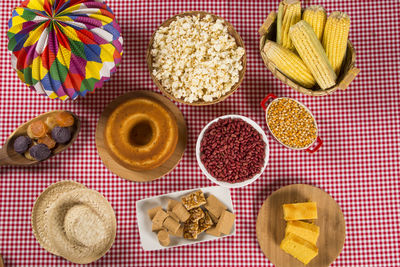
22, 143
40, 152
61, 134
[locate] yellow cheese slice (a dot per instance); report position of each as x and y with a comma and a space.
307, 231
299, 248
300, 211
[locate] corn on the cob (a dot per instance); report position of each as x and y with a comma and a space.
316, 16
313, 54
289, 64
281, 10
335, 38
289, 13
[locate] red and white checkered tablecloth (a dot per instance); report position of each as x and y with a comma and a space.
358, 165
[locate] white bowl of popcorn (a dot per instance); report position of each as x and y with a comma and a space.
196, 58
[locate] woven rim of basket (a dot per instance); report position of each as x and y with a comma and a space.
348, 64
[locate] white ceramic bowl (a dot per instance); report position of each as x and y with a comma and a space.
239, 184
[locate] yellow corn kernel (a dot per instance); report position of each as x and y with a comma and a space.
315, 15
335, 38
289, 13
312, 53
289, 64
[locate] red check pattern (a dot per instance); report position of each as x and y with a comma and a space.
358, 165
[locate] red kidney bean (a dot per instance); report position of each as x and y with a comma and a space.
232, 150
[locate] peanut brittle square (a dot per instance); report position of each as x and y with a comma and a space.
189, 235
190, 230
205, 223
196, 214
194, 200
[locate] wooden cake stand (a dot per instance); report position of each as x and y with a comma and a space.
147, 175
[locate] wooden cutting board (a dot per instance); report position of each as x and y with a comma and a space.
271, 225
1, 262
121, 170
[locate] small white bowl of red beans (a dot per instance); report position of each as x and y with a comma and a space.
232, 151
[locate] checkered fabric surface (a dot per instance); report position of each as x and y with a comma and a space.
358, 165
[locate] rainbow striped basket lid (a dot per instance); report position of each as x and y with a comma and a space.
64, 48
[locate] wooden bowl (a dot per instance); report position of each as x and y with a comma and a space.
231, 31
270, 227
120, 168
8, 156
347, 73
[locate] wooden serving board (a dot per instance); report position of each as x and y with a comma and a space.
271, 225
1, 262
121, 170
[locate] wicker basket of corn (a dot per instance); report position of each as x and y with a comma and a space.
307, 50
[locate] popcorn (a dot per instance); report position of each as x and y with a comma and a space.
196, 58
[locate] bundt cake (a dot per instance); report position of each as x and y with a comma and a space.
141, 133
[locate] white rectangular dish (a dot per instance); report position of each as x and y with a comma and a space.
149, 240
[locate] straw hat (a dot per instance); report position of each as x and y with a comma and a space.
80, 223
41, 206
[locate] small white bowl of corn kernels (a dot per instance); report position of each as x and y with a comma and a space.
291, 123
